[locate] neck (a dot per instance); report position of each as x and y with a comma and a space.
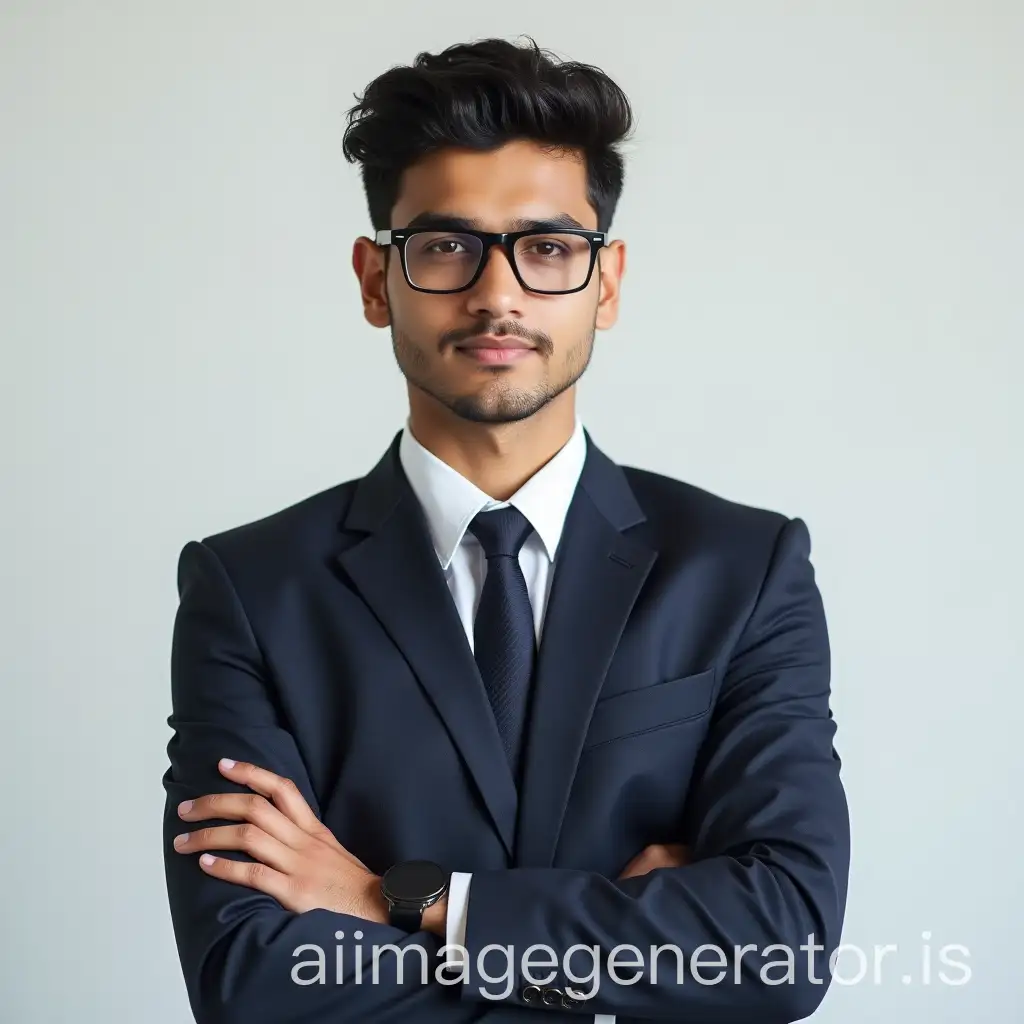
498, 457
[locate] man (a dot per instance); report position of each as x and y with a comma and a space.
510, 729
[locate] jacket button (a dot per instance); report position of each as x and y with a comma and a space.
530, 994
552, 997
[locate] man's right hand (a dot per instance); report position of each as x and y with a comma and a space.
657, 855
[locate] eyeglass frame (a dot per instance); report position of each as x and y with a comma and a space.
398, 237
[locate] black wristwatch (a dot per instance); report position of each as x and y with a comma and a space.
410, 887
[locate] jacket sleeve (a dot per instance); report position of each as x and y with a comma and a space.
238, 948
765, 891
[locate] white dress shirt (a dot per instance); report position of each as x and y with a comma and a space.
450, 502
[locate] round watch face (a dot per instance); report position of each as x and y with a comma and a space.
414, 881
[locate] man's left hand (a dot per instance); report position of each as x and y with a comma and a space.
657, 855
296, 858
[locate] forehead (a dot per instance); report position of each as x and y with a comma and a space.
520, 179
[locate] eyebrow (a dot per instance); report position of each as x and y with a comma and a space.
431, 219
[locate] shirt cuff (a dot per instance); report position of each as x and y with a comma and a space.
458, 913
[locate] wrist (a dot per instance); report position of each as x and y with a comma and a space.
435, 917
376, 906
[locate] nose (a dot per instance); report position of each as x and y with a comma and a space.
497, 293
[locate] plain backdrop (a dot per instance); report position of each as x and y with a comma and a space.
822, 314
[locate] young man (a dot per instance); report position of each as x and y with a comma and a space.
501, 694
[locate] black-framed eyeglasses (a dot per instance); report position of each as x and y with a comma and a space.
440, 262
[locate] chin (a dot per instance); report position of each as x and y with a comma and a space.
506, 409
480, 412
498, 401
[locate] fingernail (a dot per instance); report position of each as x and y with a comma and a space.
226, 762
207, 859
185, 806
181, 840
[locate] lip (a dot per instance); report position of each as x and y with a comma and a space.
493, 342
487, 348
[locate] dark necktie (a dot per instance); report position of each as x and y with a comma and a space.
503, 632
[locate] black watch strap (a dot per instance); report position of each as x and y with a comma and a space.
408, 919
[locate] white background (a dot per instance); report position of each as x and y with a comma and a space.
822, 315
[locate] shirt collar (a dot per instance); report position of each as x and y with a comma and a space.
450, 501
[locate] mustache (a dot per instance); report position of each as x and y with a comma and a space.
506, 328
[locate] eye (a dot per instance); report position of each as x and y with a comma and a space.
445, 247
545, 248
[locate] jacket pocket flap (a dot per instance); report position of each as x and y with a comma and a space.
665, 703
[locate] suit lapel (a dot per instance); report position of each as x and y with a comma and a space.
598, 574
396, 571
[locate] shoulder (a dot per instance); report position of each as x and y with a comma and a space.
671, 503
683, 519
280, 544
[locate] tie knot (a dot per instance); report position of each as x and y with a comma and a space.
501, 531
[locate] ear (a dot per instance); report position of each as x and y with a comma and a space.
611, 265
370, 265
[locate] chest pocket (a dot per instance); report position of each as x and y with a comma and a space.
671, 702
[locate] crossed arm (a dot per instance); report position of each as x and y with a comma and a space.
296, 859
768, 866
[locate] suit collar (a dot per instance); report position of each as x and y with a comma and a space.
386, 485
450, 501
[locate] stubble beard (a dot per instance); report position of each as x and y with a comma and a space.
501, 401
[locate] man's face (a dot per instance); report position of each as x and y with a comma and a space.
439, 340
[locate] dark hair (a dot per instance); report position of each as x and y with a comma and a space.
480, 96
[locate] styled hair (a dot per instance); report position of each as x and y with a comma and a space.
480, 96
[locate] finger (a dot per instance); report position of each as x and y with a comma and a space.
244, 807
247, 838
251, 874
637, 866
654, 856
282, 792
668, 856
287, 797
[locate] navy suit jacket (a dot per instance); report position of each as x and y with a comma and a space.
682, 695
